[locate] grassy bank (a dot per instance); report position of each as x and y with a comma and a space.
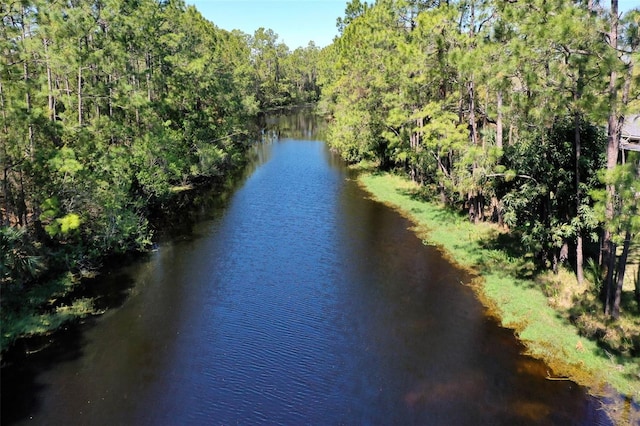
41, 309
507, 289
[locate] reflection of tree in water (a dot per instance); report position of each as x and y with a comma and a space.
298, 123
206, 200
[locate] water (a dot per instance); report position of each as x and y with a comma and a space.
298, 301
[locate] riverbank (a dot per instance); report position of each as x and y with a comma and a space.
517, 302
57, 297
42, 307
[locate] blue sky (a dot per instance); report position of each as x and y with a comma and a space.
295, 21
623, 5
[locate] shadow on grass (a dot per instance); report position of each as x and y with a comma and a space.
493, 252
504, 253
617, 338
442, 212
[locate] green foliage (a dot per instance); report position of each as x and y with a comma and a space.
18, 261
107, 105
65, 163
211, 160
594, 274
497, 108
282, 77
105, 108
541, 204
37, 309
626, 179
64, 225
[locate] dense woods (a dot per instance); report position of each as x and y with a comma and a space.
108, 108
509, 111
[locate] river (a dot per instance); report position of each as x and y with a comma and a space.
297, 300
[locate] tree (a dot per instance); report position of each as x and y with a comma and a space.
354, 9
625, 227
619, 97
105, 106
515, 74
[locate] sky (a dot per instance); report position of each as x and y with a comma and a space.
295, 21
623, 5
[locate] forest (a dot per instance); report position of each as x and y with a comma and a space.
108, 109
509, 112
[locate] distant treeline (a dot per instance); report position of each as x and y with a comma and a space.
508, 110
107, 107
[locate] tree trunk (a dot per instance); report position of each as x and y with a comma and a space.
577, 146
148, 76
511, 135
579, 259
472, 113
50, 99
4, 110
638, 287
23, 214
476, 207
472, 208
499, 136
496, 211
412, 165
111, 80
622, 266
5, 165
609, 253
5, 191
28, 100
417, 142
27, 84
22, 210
80, 96
608, 290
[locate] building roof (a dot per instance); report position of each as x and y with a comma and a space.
631, 126
630, 134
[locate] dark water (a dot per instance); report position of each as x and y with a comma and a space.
299, 301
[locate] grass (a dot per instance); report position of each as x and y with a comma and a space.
506, 287
41, 309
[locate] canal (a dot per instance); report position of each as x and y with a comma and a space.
297, 300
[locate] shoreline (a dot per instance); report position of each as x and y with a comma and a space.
547, 335
60, 299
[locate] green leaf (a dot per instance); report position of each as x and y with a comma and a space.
69, 223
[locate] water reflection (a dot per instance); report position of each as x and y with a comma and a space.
297, 123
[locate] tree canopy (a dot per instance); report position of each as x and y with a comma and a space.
500, 109
108, 106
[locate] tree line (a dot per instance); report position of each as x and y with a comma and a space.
109, 107
508, 110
